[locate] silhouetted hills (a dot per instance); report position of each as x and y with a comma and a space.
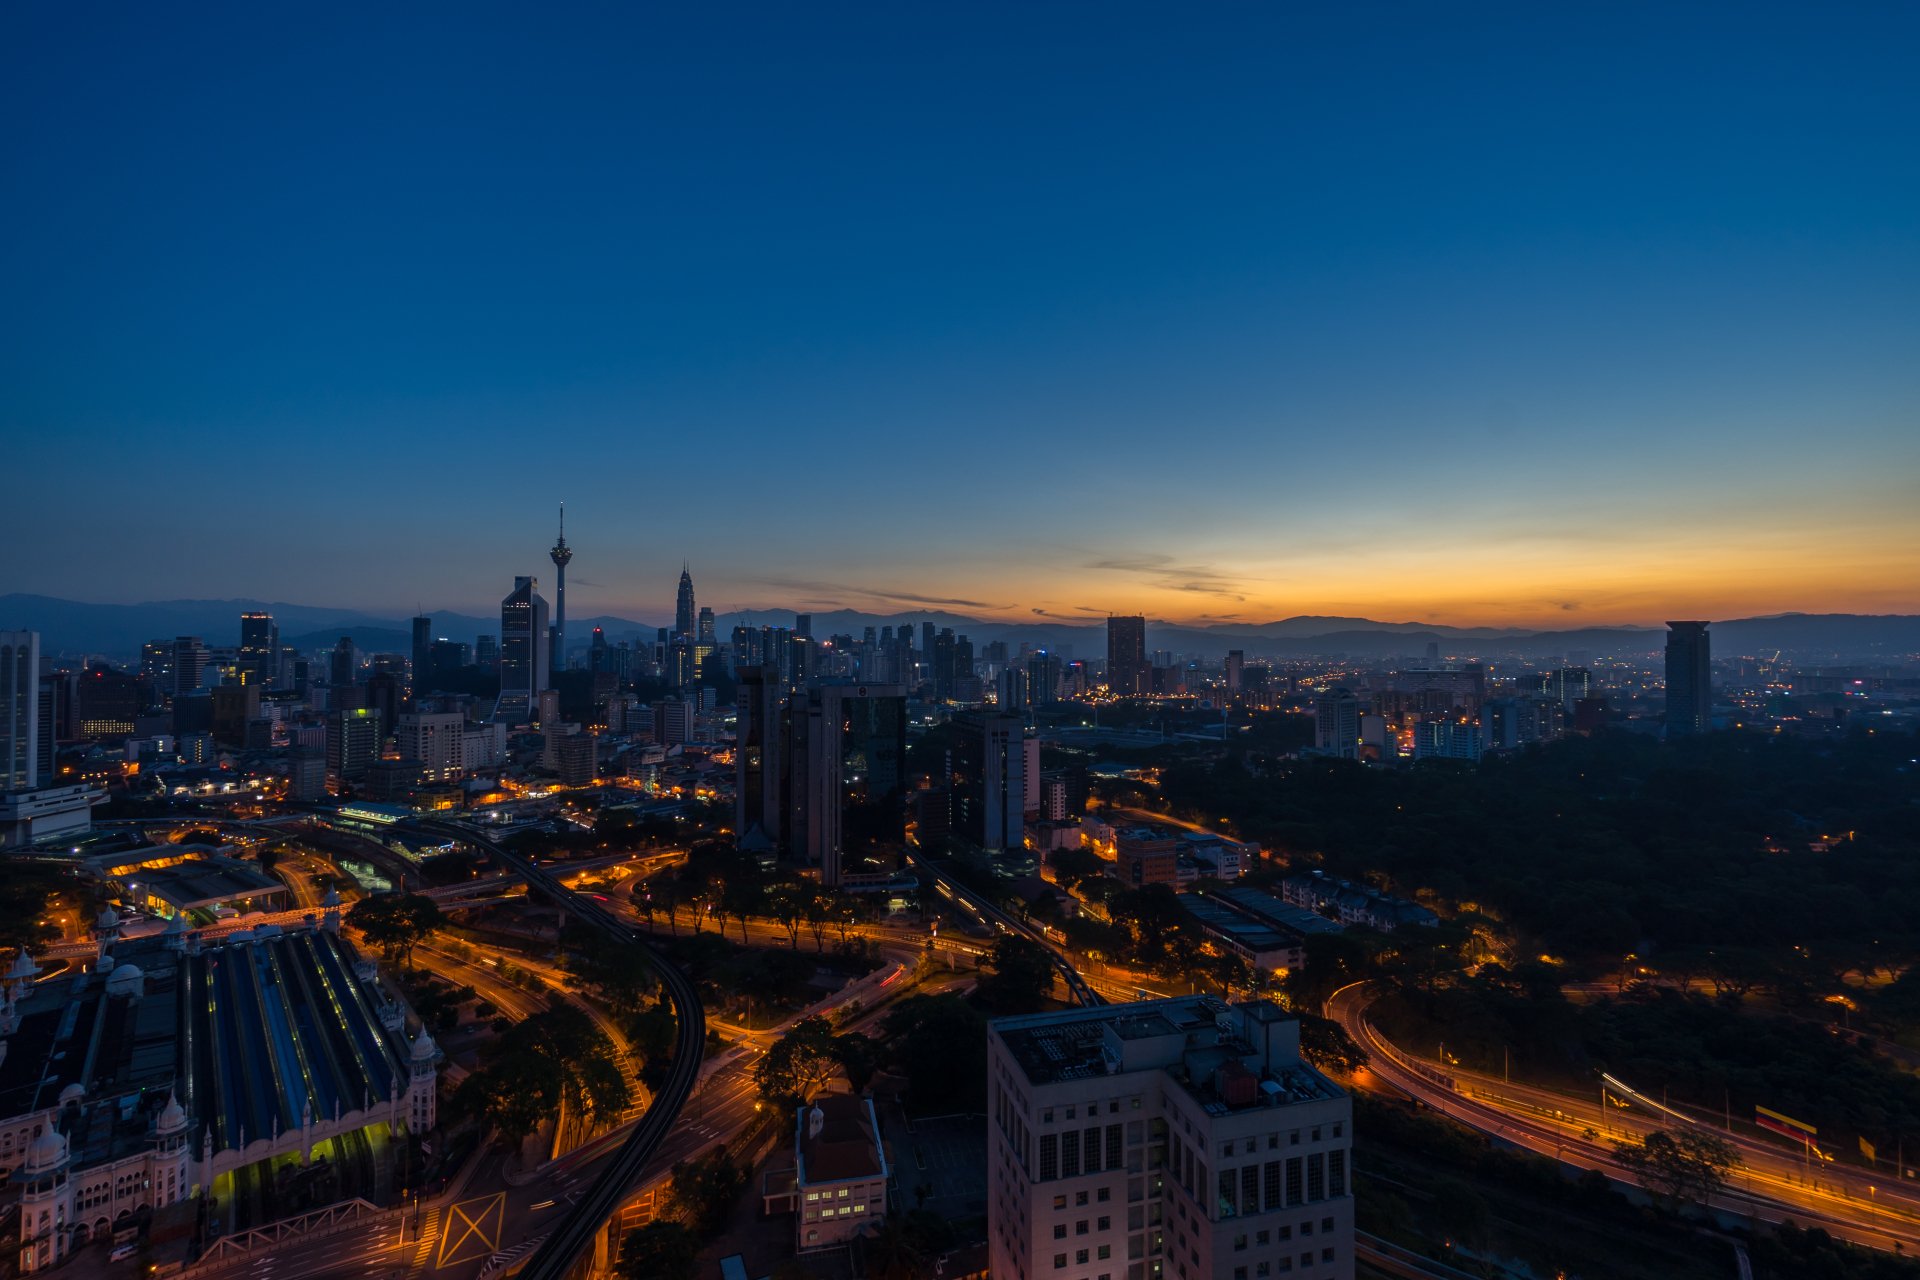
74, 627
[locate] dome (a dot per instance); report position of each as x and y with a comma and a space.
72, 1093
48, 1152
24, 969
173, 1117
127, 979
424, 1049
108, 919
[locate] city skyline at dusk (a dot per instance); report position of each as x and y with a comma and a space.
1501, 321
983, 642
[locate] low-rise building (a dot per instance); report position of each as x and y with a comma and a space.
840, 1172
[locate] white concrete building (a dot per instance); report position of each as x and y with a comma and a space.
1176, 1139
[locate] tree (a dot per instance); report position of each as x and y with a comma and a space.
701, 1192
396, 923
939, 1043
1678, 1167
894, 1253
740, 899
788, 904
818, 913
799, 1064
658, 1251
556, 1055
1019, 975
859, 1059
1326, 1044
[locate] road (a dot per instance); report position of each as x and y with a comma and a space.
1773, 1183
1077, 986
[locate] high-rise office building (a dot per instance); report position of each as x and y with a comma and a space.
1168, 1138
189, 663
847, 777
1236, 667
683, 611
422, 672
20, 726
1689, 679
820, 772
341, 664
1126, 654
989, 781
560, 554
523, 652
1336, 724
260, 647
1043, 679
434, 741
760, 759
704, 641
486, 652
353, 743
1568, 685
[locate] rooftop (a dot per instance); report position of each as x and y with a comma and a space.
224, 1028
201, 881
1229, 1059
838, 1140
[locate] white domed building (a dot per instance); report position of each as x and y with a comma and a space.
172, 1070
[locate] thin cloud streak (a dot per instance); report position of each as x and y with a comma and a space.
881, 593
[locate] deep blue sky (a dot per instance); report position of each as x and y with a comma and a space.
1467, 313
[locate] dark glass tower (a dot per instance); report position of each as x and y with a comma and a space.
1126, 654
1689, 679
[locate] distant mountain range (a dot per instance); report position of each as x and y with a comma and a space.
73, 627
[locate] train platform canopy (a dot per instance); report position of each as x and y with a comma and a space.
255, 1037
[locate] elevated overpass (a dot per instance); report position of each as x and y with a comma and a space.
573, 1237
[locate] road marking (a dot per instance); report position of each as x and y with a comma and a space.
472, 1230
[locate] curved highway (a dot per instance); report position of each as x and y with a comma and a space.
574, 1234
1769, 1186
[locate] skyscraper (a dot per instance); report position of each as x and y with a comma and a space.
846, 777
523, 652
989, 781
340, 673
260, 646
1336, 724
422, 654
20, 726
189, 663
759, 759
683, 610
703, 642
560, 554
1689, 679
1126, 653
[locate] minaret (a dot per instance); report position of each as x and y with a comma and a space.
561, 553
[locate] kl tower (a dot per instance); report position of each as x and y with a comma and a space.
557, 638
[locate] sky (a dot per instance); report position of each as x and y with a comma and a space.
1556, 315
